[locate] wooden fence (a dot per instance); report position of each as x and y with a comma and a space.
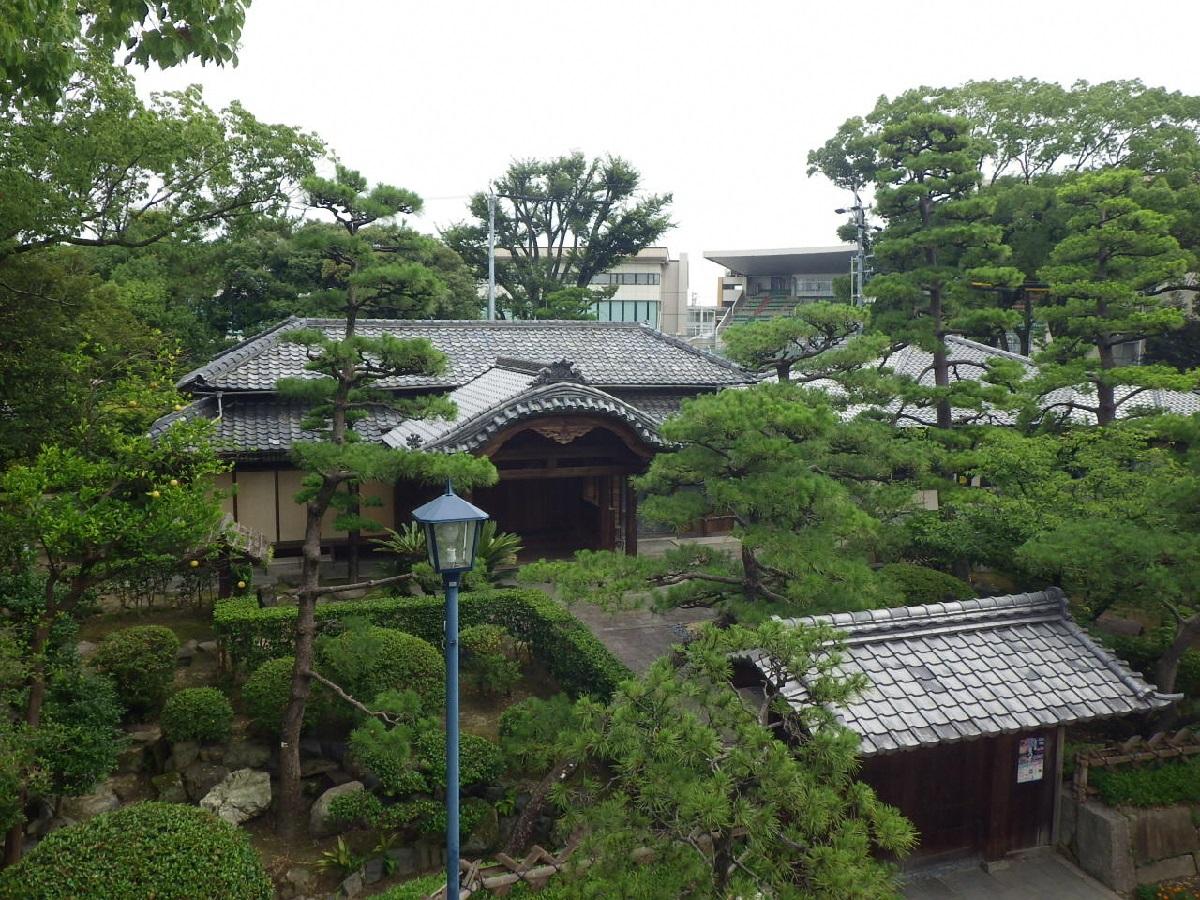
1161, 746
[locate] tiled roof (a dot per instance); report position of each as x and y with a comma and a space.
968, 362
483, 412
607, 353
956, 671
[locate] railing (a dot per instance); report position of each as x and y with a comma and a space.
1160, 746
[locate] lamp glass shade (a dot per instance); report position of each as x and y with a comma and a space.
452, 527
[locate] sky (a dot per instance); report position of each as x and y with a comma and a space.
717, 103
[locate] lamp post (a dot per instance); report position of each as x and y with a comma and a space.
452, 527
860, 256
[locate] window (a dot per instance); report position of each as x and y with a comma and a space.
627, 311
619, 278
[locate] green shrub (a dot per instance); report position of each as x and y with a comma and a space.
529, 733
390, 755
141, 662
162, 850
197, 714
266, 693
417, 889
79, 737
1175, 781
486, 664
366, 660
907, 584
1142, 653
574, 656
479, 760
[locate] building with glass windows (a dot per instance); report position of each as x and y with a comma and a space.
761, 284
651, 287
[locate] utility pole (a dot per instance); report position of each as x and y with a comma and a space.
491, 297
860, 256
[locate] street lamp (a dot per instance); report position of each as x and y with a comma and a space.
452, 527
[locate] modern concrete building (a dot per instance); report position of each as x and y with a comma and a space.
651, 288
765, 283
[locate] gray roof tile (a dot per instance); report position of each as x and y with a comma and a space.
995, 665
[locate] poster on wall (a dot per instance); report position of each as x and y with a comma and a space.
1031, 759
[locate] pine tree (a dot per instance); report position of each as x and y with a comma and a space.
360, 275
1102, 276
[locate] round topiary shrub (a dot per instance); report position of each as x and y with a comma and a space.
908, 584
266, 693
197, 714
163, 850
368, 660
141, 662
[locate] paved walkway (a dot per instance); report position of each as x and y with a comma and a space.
1031, 875
637, 637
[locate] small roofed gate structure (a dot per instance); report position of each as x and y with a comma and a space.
564, 450
962, 726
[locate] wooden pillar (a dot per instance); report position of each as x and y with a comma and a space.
630, 517
224, 574
999, 796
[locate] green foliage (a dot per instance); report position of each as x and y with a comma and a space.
162, 850
487, 661
1115, 252
141, 662
266, 692
530, 731
1173, 781
495, 555
573, 655
480, 760
805, 491
340, 858
367, 660
912, 585
1143, 651
197, 714
79, 738
560, 222
679, 753
416, 889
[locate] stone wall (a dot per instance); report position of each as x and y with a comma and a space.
1126, 846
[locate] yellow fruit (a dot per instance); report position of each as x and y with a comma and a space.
174, 482
241, 585
155, 494
195, 564
178, 407
133, 403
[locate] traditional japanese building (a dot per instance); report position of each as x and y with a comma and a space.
567, 411
962, 725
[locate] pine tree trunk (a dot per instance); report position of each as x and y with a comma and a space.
1106, 395
290, 812
751, 575
1186, 637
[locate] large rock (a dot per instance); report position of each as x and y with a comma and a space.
144, 750
103, 799
1102, 846
183, 754
240, 797
130, 788
1183, 866
486, 833
86, 650
320, 823
201, 777
1163, 833
169, 788
247, 755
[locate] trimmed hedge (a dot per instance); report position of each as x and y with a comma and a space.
574, 656
197, 714
919, 585
167, 851
1175, 781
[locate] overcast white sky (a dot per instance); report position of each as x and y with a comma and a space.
716, 102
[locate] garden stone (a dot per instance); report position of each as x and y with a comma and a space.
216, 753
186, 650
241, 796
1183, 866
1102, 846
58, 822
86, 649
404, 859
352, 886
320, 823
201, 777
103, 799
169, 788
211, 647
1163, 833
183, 754
299, 878
247, 755
317, 766
129, 788
372, 871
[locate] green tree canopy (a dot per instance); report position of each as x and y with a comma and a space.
559, 223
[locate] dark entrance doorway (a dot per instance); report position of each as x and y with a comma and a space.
564, 484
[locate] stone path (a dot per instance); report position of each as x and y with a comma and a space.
637, 637
1039, 873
